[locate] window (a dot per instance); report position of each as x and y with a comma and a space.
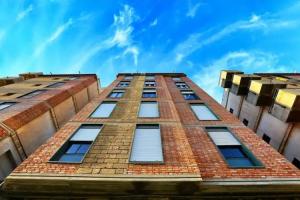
124, 84
9, 94
147, 146
245, 122
150, 84
32, 94
189, 95
296, 162
231, 110
203, 112
128, 77
6, 105
182, 85
74, 150
149, 93
176, 79
7, 164
104, 110
266, 138
150, 78
235, 154
37, 85
55, 85
148, 109
116, 94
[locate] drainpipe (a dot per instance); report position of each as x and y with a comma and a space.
227, 97
258, 119
11, 132
286, 138
240, 106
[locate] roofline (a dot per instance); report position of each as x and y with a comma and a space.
277, 74
152, 74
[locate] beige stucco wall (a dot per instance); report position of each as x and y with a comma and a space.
64, 111
93, 90
234, 102
273, 127
36, 132
81, 98
292, 149
249, 112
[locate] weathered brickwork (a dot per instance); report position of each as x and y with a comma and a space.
187, 149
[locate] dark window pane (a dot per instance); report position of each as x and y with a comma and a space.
83, 148
149, 95
190, 96
232, 152
73, 148
231, 110
239, 162
266, 138
245, 122
296, 162
71, 158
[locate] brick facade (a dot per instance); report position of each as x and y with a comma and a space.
187, 149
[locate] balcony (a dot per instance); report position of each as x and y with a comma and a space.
241, 83
226, 77
261, 91
287, 105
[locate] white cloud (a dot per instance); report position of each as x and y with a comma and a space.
179, 57
246, 61
56, 34
192, 11
197, 41
121, 29
134, 51
25, 12
154, 22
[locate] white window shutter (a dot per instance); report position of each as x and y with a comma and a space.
104, 110
86, 133
147, 146
223, 138
202, 112
148, 109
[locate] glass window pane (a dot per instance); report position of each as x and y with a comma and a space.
147, 145
71, 158
104, 110
232, 152
86, 133
73, 148
240, 162
83, 148
148, 109
6, 105
202, 112
55, 85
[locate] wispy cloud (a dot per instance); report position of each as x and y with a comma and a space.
197, 41
121, 29
247, 61
154, 22
54, 36
192, 11
25, 12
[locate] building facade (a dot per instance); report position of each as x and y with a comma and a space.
269, 104
33, 107
153, 135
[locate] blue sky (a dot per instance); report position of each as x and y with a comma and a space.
197, 37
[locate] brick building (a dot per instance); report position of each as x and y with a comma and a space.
153, 135
33, 107
269, 104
